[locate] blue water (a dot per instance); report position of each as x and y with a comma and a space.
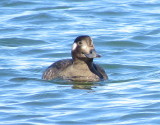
34, 34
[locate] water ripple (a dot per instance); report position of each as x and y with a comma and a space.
34, 34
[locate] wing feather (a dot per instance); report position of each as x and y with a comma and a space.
53, 70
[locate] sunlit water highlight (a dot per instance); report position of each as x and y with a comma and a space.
36, 33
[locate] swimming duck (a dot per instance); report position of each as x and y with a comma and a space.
80, 67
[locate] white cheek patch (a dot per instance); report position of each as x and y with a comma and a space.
84, 47
74, 46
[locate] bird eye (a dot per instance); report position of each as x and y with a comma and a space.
80, 43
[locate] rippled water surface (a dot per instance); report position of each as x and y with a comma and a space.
36, 33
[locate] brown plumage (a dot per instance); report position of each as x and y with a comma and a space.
80, 67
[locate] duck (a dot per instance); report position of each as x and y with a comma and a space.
80, 67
